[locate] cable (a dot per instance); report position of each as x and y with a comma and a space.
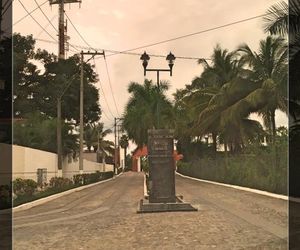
29, 13
109, 81
37, 36
78, 32
126, 53
192, 34
50, 22
36, 21
101, 88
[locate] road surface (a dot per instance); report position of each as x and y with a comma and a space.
104, 217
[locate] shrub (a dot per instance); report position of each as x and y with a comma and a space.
83, 179
60, 182
24, 186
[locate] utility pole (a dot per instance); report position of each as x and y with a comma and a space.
61, 24
115, 156
81, 103
117, 144
58, 134
61, 30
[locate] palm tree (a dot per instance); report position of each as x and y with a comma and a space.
224, 67
283, 20
94, 137
141, 110
124, 144
228, 110
270, 63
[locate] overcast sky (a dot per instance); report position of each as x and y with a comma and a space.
126, 24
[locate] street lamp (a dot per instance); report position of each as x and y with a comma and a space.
145, 58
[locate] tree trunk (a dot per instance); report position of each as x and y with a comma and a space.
273, 124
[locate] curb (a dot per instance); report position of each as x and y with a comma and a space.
145, 188
252, 190
32, 204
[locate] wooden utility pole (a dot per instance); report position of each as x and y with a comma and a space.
81, 103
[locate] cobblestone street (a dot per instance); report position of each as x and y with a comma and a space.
104, 217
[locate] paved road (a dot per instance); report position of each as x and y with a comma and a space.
104, 217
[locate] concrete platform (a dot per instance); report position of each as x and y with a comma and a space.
179, 206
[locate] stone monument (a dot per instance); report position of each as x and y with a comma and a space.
161, 183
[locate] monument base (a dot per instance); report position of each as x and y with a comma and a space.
145, 206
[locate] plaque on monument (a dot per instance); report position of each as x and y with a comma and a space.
161, 166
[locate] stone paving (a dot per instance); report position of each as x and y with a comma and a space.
104, 217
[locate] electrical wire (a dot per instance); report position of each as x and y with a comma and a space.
50, 22
36, 21
78, 32
101, 88
193, 34
126, 53
41, 32
22, 18
109, 81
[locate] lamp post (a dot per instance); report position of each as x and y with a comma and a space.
170, 58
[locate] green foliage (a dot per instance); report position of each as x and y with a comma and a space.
255, 168
39, 131
84, 179
142, 108
60, 183
26, 189
34, 90
24, 186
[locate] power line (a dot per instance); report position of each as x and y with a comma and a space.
50, 22
78, 32
125, 53
192, 34
109, 81
37, 36
28, 13
101, 88
36, 21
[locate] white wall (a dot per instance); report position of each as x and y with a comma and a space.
70, 169
26, 161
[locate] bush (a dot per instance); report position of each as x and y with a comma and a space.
24, 186
60, 182
83, 179
258, 168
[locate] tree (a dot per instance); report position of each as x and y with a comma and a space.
270, 63
224, 67
34, 90
124, 144
283, 20
38, 131
94, 135
141, 110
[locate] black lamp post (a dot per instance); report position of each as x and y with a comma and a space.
145, 58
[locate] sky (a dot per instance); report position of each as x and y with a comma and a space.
126, 24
